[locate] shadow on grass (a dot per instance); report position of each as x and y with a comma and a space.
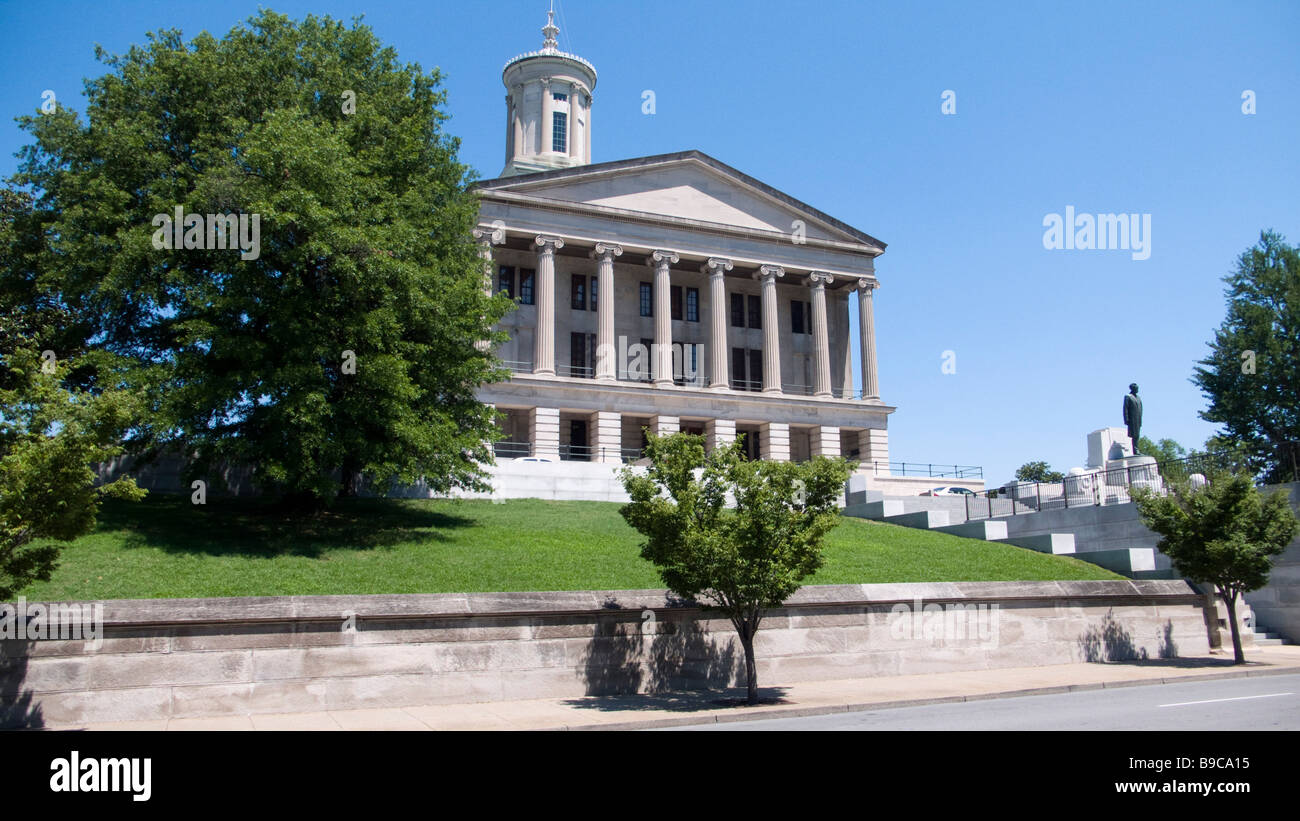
256, 528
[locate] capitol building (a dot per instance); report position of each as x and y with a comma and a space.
663, 293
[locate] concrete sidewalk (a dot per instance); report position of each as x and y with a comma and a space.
704, 707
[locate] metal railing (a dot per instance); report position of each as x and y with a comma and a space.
1094, 487
933, 471
568, 453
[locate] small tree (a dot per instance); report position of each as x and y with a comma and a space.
1225, 533
49, 436
1038, 472
740, 561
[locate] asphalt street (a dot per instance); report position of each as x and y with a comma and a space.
1257, 703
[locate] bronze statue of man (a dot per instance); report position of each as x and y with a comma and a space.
1133, 415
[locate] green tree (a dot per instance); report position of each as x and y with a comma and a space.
49, 436
1166, 450
1225, 533
1252, 374
338, 347
1038, 472
740, 561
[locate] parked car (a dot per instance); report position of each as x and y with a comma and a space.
949, 490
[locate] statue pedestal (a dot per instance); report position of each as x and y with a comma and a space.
1129, 472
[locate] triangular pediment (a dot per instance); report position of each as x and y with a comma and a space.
688, 186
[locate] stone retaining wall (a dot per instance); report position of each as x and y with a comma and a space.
204, 657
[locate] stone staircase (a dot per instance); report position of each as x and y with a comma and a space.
1135, 563
1260, 635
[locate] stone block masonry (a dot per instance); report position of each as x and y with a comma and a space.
209, 657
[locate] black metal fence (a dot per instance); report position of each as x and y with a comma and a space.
1097, 487
927, 469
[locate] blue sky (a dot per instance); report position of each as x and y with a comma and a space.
1106, 107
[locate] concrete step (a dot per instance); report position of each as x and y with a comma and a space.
1125, 561
989, 531
1160, 573
924, 520
876, 511
1054, 543
1273, 642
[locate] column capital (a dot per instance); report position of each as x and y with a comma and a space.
716, 266
606, 250
820, 278
490, 234
772, 272
665, 258
548, 244
867, 284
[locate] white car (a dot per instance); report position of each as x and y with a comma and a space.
949, 490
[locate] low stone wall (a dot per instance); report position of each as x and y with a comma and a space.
204, 657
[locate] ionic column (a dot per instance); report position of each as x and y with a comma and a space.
768, 275
517, 110
572, 142
867, 331
821, 338
605, 353
547, 106
717, 269
662, 360
487, 237
544, 338
586, 133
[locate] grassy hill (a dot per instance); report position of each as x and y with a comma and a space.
164, 547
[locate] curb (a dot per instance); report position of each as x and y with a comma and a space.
830, 709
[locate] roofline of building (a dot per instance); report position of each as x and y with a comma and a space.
693, 154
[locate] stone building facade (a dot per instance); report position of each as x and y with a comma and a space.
667, 293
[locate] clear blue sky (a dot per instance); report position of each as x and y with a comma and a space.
1105, 106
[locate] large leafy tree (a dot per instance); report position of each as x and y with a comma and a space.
1038, 472
342, 349
1225, 533
743, 560
1252, 375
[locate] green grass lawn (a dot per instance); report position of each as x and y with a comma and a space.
164, 547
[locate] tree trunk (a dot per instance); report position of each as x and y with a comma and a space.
349, 475
751, 673
1231, 601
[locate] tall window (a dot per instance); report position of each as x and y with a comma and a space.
746, 369
506, 280
647, 300
578, 292
800, 316
559, 128
527, 278
755, 312
675, 297
692, 304
737, 310
582, 355
594, 304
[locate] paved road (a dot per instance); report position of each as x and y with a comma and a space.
1260, 703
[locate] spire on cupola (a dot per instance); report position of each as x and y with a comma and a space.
548, 107
550, 30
